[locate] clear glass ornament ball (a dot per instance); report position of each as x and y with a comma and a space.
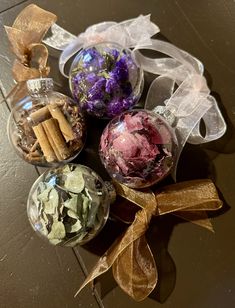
46, 128
68, 205
105, 80
138, 148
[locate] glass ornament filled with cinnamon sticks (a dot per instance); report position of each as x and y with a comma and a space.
46, 128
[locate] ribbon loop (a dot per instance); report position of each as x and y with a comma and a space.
131, 33
25, 37
189, 103
130, 257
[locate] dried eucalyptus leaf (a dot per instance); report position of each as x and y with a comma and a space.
85, 208
90, 182
44, 195
57, 231
60, 208
63, 194
88, 193
43, 222
75, 240
94, 197
74, 181
72, 203
66, 169
72, 214
39, 207
35, 197
73, 228
79, 207
45, 218
41, 187
55, 241
76, 227
51, 205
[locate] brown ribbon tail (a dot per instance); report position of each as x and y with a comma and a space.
191, 195
199, 218
135, 270
103, 264
135, 231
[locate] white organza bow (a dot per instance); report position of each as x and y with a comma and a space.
132, 33
180, 87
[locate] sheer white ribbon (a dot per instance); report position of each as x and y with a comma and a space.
180, 86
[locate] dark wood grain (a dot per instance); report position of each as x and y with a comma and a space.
8, 4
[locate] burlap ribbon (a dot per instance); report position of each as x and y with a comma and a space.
130, 257
25, 37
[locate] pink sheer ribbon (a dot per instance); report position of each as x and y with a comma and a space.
179, 92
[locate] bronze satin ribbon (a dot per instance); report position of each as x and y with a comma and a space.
25, 37
130, 257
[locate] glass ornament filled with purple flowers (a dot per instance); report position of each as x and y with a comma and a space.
105, 80
138, 148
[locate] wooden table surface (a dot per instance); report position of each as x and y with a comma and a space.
196, 267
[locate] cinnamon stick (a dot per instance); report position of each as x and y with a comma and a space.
56, 139
34, 146
40, 115
44, 143
53, 145
64, 125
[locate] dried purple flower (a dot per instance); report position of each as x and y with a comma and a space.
120, 72
105, 73
114, 53
97, 90
91, 78
111, 85
126, 88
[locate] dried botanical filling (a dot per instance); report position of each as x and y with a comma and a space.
105, 80
69, 205
47, 132
138, 148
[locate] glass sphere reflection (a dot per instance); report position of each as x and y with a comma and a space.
105, 80
138, 148
68, 205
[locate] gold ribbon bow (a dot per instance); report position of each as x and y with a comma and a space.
25, 37
130, 257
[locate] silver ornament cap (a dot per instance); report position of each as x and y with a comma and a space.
39, 86
165, 113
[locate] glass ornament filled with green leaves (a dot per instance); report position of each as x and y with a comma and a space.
69, 205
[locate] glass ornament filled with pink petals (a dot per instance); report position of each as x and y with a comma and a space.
138, 148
